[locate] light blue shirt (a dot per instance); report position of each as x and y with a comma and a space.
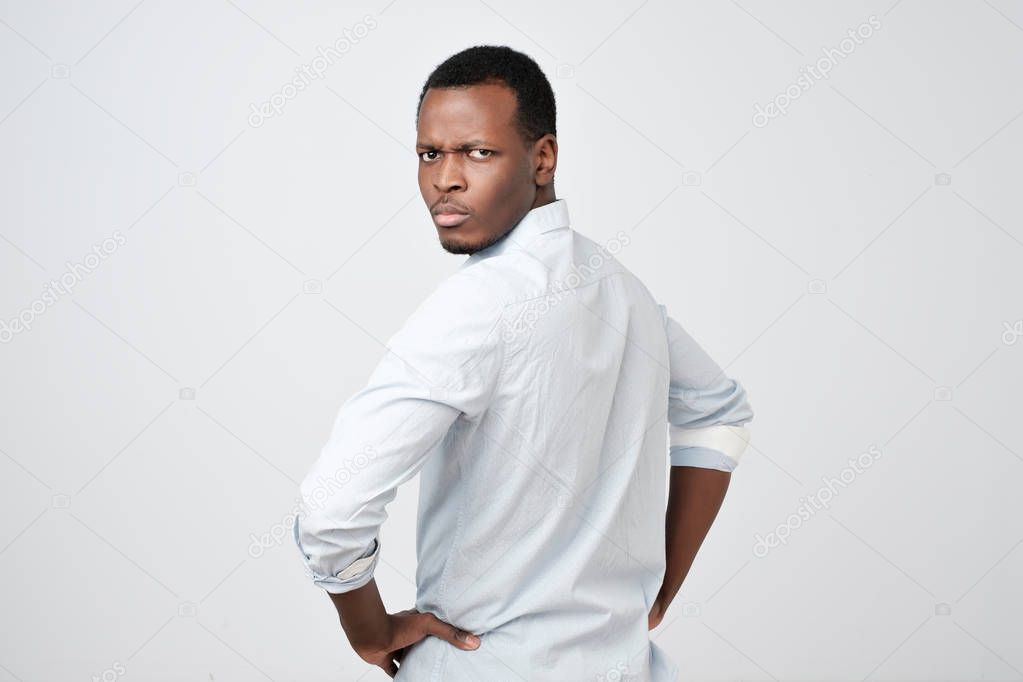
540, 392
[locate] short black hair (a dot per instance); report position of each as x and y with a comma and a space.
535, 111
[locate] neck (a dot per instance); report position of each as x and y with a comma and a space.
544, 196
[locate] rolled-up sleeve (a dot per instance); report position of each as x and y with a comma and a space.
442, 365
707, 410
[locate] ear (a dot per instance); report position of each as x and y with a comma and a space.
545, 159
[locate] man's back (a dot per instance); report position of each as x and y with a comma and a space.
541, 523
537, 391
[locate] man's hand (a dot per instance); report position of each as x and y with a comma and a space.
404, 629
655, 616
383, 638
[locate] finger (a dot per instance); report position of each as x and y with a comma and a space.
655, 616
449, 633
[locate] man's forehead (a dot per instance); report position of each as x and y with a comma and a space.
465, 113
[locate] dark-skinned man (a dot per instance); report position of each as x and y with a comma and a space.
537, 392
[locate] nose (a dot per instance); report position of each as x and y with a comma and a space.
448, 175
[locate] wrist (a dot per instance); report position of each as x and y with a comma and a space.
363, 617
667, 593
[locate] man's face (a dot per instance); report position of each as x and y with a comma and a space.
473, 160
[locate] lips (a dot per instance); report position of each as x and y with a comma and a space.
449, 208
449, 215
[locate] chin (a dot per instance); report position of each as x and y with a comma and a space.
459, 247
467, 245
458, 242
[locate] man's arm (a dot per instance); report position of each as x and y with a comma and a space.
707, 413
442, 365
383, 639
694, 498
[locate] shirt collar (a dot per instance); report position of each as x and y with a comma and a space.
538, 221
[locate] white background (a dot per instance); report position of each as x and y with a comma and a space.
854, 262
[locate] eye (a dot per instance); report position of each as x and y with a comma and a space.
486, 152
422, 154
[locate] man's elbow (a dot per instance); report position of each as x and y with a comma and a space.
336, 560
720, 446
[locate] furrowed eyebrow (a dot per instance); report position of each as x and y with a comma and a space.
465, 146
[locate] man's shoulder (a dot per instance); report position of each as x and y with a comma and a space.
517, 275
462, 294
458, 320
508, 278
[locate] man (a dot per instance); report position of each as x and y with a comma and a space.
534, 391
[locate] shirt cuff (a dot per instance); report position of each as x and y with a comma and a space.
351, 577
711, 447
